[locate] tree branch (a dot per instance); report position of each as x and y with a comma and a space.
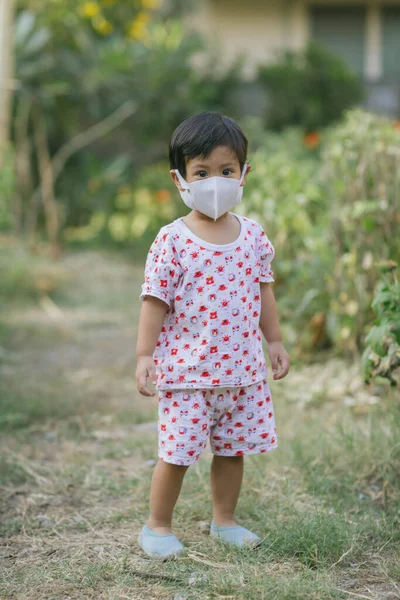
80, 141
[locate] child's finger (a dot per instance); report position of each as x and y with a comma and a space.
142, 388
283, 368
286, 365
274, 363
152, 375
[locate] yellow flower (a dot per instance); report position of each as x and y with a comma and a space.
142, 17
151, 4
138, 27
102, 25
90, 9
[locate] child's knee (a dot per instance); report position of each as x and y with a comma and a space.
175, 463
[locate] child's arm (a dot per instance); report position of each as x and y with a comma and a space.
162, 274
151, 320
269, 325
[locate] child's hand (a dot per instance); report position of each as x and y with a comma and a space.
279, 359
145, 368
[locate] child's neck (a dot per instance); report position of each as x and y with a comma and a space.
195, 216
225, 230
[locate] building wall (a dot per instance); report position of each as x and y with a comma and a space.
254, 30
260, 29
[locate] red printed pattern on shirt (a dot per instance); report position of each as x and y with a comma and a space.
211, 334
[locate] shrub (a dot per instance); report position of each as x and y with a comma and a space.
135, 212
360, 171
331, 218
310, 89
381, 357
284, 193
150, 68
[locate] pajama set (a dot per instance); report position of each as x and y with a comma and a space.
211, 373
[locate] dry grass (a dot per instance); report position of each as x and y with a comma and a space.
79, 443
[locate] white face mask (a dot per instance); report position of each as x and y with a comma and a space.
213, 196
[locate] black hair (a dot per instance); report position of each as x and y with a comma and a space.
200, 134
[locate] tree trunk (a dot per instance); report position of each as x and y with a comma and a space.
6, 69
22, 165
81, 140
46, 183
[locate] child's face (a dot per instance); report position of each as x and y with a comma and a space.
222, 162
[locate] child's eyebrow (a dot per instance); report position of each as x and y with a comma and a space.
202, 166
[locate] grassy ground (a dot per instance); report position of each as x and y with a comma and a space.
78, 444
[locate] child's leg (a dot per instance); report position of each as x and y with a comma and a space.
226, 481
165, 488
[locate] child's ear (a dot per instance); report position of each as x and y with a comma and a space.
176, 180
245, 175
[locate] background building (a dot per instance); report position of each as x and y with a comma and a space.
365, 33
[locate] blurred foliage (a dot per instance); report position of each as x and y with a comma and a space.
137, 212
381, 357
360, 170
331, 214
105, 17
79, 61
284, 193
7, 187
310, 89
27, 276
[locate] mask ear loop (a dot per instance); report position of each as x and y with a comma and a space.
243, 173
182, 181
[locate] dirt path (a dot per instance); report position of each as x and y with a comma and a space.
79, 443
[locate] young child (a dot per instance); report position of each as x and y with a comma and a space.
207, 299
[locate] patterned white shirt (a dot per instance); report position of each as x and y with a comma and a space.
211, 335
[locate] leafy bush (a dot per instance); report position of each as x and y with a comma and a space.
331, 217
76, 75
310, 89
134, 213
360, 171
284, 193
381, 357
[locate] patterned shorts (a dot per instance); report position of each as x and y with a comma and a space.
238, 421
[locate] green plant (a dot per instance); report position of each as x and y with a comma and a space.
104, 56
310, 89
134, 213
360, 171
284, 193
381, 357
331, 216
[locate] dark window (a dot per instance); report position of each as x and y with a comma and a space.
341, 29
391, 41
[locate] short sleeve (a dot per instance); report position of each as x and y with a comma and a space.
162, 271
266, 253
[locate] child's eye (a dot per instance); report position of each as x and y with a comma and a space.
201, 174
227, 171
